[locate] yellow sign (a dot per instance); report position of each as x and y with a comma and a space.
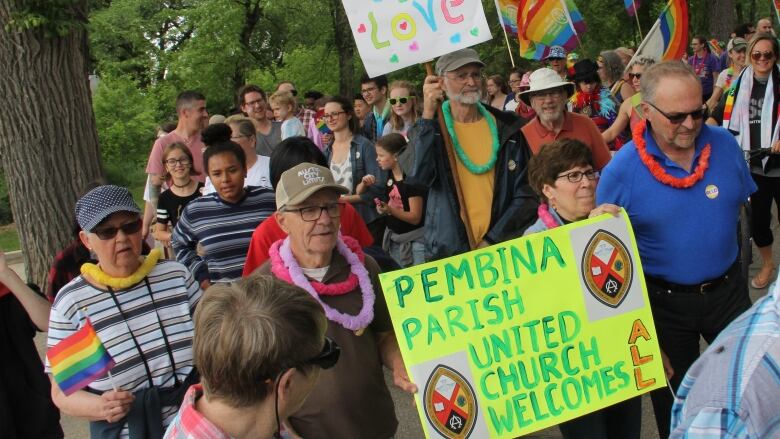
526, 334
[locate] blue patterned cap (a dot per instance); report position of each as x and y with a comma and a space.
101, 202
556, 52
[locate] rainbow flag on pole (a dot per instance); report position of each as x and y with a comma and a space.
668, 38
545, 23
507, 15
776, 3
631, 6
79, 359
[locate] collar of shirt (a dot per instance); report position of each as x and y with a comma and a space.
543, 132
654, 150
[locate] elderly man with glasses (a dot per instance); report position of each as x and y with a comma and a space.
682, 184
490, 164
350, 400
548, 96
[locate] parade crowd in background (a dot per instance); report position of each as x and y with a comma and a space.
243, 300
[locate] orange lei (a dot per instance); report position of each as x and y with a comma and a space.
659, 172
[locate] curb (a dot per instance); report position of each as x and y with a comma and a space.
14, 257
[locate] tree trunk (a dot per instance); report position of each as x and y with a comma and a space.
346, 48
721, 13
48, 139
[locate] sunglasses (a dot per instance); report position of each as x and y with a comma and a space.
402, 100
328, 357
110, 232
678, 118
634, 75
757, 56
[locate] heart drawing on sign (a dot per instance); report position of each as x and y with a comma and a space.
414, 47
394, 59
404, 25
362, 28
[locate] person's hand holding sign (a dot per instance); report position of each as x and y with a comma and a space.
432, 96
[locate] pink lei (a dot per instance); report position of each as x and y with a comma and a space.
285, 267
547, 219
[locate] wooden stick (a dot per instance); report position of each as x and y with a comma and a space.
636, 15
445, 135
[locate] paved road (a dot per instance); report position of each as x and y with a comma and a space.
409, 427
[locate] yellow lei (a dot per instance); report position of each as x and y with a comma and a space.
120, 283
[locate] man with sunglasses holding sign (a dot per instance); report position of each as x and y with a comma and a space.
682, 183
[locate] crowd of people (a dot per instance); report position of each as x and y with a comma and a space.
244, 300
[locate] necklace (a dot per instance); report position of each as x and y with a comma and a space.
356, 323
547, 219
279, 269
659, 172
120, 283
183, 186
470, 165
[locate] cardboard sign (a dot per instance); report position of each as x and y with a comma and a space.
523, 335
393, 34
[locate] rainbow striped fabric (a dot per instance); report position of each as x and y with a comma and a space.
631, 6
668, 38
79, 359
507, 14
542, 24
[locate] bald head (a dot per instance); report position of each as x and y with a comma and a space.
765, 25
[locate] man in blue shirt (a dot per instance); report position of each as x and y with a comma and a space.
682, 184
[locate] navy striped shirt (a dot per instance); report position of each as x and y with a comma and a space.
223, 231
175, 295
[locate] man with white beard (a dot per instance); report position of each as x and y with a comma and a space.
491, 158
548, 95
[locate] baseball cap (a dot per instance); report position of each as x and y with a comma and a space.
455, 60
736, 44
302, 181
101, 202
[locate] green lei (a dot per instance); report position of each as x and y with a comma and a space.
470, 165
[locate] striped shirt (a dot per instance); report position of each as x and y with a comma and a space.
733, 389
174, 294
223, 230
190, 423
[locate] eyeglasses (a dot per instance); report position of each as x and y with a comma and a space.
757, 56
678, 118
465, 76
515, 81
255, 102
313, 213
634, 75
554, 93
576, 176
334, 115
110, 232
368, 90
174, 162
402, 100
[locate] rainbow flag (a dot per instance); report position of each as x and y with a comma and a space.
507, 15
631, 6
668, 38
776, 3
545, 23
79, 359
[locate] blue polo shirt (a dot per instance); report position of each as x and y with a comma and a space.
685, 236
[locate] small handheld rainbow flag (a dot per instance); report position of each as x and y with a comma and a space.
79, 359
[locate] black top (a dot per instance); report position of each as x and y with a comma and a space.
170, 205
399, 192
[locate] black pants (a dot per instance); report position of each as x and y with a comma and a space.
377, 230
680, 319
619, 421
761, 204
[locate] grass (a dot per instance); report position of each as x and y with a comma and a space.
9, 238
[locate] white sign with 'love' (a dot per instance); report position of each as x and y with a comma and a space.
393, 34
